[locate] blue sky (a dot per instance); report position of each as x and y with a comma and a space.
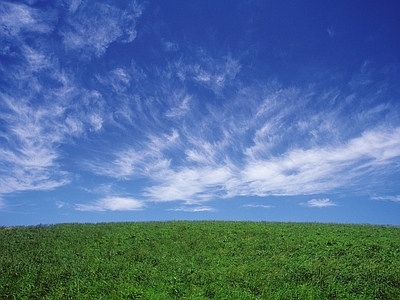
222, 110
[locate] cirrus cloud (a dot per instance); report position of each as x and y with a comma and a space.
92, 26
320, 203
113, 203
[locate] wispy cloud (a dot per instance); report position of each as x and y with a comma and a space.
196, 184
118, 80
112, 204
61, 204
29, 158
194, 209
101, 189
331, 32
362, 78
182, 107
320, 169
242, 150
92, 27
38, 108
320, 203
252, 205
16, 18
170, 46
213, 74
387, 198
130, 162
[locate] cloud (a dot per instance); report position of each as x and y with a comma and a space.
252, 205
113, 204
29, 159
183, 105
319, 203
170, 46
189, 184
387, 198
241, 149
362, 78
200, 208
320, 169
96, 121
213, 74
16, 18
40, 113
118, 80
34, 127
101, 189
147, 161
74, 5
61, 204
92, 27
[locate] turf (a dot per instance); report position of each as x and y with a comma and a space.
200, 260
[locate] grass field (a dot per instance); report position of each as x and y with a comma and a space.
200, 260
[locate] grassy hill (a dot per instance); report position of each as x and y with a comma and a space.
200, 260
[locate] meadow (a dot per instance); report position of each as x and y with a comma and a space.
200, 260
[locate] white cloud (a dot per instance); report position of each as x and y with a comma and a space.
96, 121
29, 160
123, 166
212, 157
182, 107
362, 78
74, 5
15, 18
60, 204
170, 46
38, 118
256, 145
319, 169
252, 205
118, 79
319, 203
36, 60
387, 198
94, 26
190, 184
130, 162
102, 189
113, 204
200, 208
213, 74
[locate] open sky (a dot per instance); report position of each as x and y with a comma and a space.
185, 109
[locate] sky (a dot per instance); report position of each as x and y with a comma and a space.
199, 110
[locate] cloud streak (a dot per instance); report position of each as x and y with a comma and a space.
319, 203
92, 27
257, 145
29, 158
322, 168
112, 204
194, 209
395, 198
252, 205
18, 18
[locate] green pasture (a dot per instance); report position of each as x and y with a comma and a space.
200, 260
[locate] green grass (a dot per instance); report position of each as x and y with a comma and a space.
200, 260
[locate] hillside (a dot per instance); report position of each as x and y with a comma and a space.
200, 260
